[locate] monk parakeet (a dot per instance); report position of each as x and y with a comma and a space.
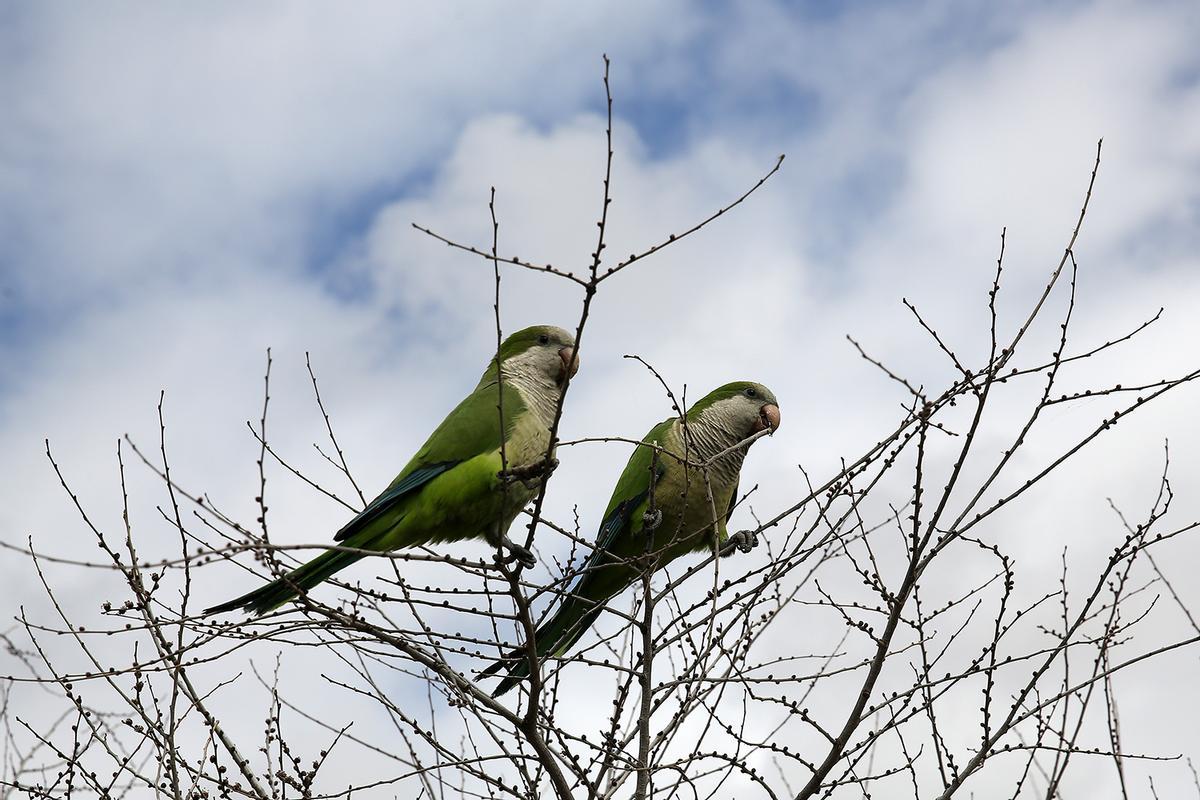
681, 519
456, 486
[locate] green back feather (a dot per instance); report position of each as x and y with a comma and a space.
472, 428
633, 484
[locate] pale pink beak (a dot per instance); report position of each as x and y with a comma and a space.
768, 417
570, 362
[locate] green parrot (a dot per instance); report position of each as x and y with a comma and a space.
455, 487
681, 519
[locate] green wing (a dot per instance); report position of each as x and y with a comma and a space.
472, 428
633, 487
733, 501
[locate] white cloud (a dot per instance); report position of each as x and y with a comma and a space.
164, 140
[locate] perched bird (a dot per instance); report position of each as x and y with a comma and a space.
457, 485
674, 497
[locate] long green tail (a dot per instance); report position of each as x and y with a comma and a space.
279, 591
554, 637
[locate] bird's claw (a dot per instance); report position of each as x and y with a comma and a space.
652, 519
529, 474
742, 541
523, 555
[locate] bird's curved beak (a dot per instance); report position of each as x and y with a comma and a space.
768, 417
570, 362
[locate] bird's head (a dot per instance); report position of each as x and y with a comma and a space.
544, 349
744, 407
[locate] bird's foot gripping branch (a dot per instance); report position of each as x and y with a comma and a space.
742, 541
531, 475
516, 552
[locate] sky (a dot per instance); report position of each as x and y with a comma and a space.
182, 187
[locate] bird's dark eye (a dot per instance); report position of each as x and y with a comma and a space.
543, 339
751, 392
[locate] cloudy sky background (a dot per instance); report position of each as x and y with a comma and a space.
183, 187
